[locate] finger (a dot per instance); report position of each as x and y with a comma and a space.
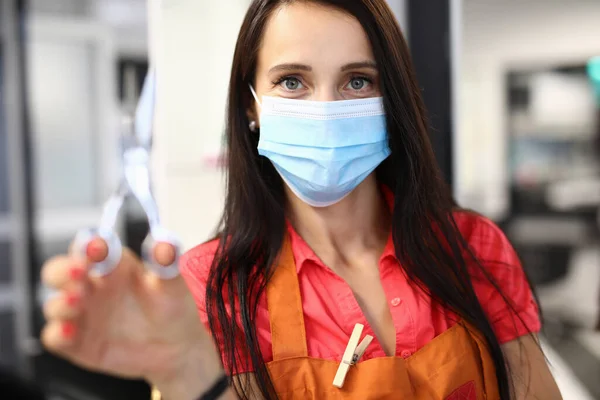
59, 336
158, 287
63, 270
96, 250
67, 305
164, 253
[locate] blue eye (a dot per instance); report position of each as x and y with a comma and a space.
358, 83
291, 83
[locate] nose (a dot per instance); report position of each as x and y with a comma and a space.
327, 93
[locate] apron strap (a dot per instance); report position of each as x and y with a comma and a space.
288, 336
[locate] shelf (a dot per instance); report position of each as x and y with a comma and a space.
548, 231
549, 136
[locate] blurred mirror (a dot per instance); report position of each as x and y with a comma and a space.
527, 158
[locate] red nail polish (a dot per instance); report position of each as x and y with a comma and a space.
68, 330
93, 249
72, 299
76, 273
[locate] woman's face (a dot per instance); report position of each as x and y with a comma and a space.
312, 52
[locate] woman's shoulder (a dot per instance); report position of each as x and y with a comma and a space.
498, 279
198, 260
486, 240
479, 231
470, 222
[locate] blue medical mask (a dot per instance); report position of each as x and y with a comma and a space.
323, 150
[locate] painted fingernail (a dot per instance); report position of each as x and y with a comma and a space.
94, 249
76, 273
72, 299
68, 330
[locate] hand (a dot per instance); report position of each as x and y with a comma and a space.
129, 323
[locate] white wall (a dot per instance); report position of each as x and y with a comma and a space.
400, 11
127, 20
195, 42
498, 35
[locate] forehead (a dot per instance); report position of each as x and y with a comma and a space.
311, 33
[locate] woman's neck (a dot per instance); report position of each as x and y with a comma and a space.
347, 233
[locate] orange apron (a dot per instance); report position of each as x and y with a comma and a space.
455, 365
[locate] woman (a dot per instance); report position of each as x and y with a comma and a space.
335, 215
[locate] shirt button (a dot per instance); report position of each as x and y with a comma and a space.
405, 354
396, 301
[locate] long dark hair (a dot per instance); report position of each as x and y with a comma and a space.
427, 241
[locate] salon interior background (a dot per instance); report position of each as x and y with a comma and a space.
504, 80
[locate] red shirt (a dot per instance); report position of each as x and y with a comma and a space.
331, 311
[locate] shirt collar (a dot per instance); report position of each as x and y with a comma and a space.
303, 253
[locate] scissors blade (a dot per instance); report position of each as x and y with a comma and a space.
144, 114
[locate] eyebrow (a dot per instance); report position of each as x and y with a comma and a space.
361, 64
290, 67
303, 67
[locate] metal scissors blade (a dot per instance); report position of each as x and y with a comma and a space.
137, 181
144, 114
137, 157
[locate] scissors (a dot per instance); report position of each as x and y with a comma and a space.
135, 181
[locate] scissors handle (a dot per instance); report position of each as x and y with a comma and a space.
160, 235
115, 251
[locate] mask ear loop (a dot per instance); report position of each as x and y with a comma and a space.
252, 124
255, 95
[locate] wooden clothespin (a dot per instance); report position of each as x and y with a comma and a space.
354, 352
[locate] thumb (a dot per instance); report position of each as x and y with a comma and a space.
165, 254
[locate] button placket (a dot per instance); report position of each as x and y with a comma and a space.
349, 307
404, 323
